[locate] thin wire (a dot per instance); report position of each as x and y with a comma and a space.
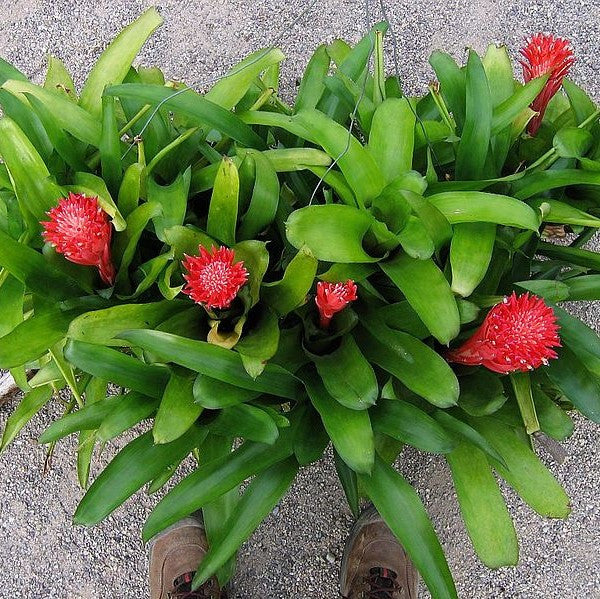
355, 111
396, 59
283, 32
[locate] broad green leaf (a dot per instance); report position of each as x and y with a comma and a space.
213, 361
554, 421
115, 61
415, 364
525, 472
187, 240
452, 84
110, 146
255, 257
173, 200
347, 375
177, 411
89, 184
71, 117
555, 211
260, 342
477, 206
536, 183
572, 142
474, 143
126, 415
521, 384
210, 480
481, 393
312, 86
349, 482
415, 239
402, 510
36, 192
256, 504
29, 406
117, 367
32, 338
194, 107
101, 326
223, 210
470, 255
428, 292
8, 71
246, 421
11, 299
571, 255
285, 160
232, 87
483, 508
408, 424
131, 189
333, 233
214, 394
552, 290
391, 139
59, 79
583, 288
135, 465
350, 430
310, 436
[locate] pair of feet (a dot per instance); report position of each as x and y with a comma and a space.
374, 566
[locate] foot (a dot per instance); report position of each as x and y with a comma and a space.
375, 565
174, 556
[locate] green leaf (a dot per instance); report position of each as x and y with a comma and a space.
29, 406
572, 255
552, 290
403, 512
71, 117
470, 255
214, 394
248, 422
100, 327
192, 106
359, 168
264, 201
540, 181
115, 61
11, 299
211, 480
347, 375
290, 292
126, 415
59, 79
428, 292
482, 507
110, 146
232, 87
310, 436
333, 233
32, 338
525, 472
256, 504
583, 288
173, 201
391, 139
8, 71
554, 421
222, 214
32, 269
452, 84
117, 367
572, 142
415, 364
130, 189
177, 411
408, 424
350, 430
554, 211
135, 465
477, 206
312, 84
214, 361
474, 143
95, 186
481, 393
349, 482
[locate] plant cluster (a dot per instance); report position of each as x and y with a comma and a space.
360, 268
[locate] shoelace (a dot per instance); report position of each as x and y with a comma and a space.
183, 590
382, 583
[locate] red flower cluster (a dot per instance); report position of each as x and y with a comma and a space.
80, 230
213, 279
333, 297
517, 334
545, 54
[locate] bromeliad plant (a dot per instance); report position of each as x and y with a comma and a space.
362, 268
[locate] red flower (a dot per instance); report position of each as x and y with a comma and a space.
545, 54
213, 280
81, 231
333, 297
517, 334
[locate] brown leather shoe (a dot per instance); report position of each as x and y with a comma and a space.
375, 565
174, 556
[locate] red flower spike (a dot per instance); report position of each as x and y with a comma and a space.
545, 54
517, 334
213, 280
80, 230
333, 297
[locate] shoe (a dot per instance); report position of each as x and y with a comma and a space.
375, 565
174, 557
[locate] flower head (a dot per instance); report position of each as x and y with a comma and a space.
517, 334
333, 297
545, 54
80, 230
213, 279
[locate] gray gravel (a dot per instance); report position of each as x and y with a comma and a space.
296, 553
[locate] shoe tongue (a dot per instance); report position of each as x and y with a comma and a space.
382, 579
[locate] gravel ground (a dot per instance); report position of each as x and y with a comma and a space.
296, 552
